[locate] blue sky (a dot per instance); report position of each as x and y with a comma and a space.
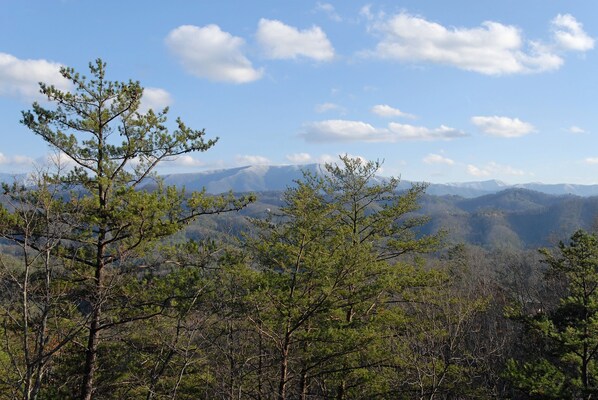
441, 91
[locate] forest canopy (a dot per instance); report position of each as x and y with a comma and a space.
339, 293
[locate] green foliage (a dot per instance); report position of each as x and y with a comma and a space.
566, 366
332, 296
96, 224
330, 276
539, 379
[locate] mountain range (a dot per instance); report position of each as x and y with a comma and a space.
259, 178
491, 213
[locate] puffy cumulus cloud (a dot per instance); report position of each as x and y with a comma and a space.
252, 160
491, 48
576, 129
329, 10
325, 107
20, 78
437, 159
155, 99
493, 169
299, 158
208, 52
281, 41
569, 34
338, 130
387, 111
502, 126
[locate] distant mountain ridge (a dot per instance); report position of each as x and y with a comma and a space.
260, 178
490, 213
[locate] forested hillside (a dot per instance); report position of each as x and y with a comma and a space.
513, 219
342, 286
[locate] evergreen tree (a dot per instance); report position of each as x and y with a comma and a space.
330, 274
114, 148
563, 364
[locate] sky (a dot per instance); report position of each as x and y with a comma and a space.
439, 91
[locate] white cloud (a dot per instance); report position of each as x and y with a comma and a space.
366, 11
412, 132
338, 130
56, 159
252, 160
384, 110
329, 10
16, 160
186, 161
576, 129
154, 98
299, 158
280, 41
437, 159
591, 160
493, 168
20, 78
569, 34
208, 52
326, 159
325, 107
502, 126
475, 171
491, 48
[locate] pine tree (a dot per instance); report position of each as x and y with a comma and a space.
114, 148
329, 272
564, 361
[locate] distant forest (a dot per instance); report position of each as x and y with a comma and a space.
341, 287
513, 219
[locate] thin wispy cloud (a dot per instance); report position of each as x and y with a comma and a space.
326, 107
208, 52
339, 130
437, 159
15, 160
502, 126
281, 41
329, 10
186, 161
252, 160
493, 169
299, 158
576, 129
384, 110
414, 132
476, 171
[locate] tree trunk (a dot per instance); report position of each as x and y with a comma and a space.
91, 353
304, 385
284, 367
